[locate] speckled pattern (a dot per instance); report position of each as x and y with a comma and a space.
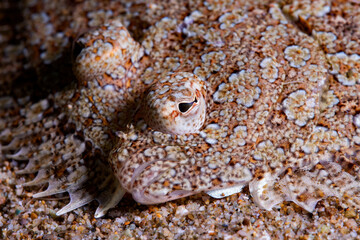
182, 98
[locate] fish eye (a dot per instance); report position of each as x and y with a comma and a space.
184, 107
175, 104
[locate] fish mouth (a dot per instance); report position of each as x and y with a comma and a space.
144, 197
149, 183
163, 180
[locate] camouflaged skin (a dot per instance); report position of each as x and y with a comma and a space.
272, 93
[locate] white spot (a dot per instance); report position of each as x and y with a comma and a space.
357, 120
109, 88
224, 192
211, 140
297, 55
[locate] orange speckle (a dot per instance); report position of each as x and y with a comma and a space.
153, 209
81, 228
128, 83
174, 114
91, 99
33, 216
166, 183
212, 233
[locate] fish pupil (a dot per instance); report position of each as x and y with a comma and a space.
184, 107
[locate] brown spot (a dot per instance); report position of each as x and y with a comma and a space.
104, 121
108, 79
33, 215
60, 172
94, 109
196, 169
252, 160
319, 166
174, 114
128, 83
320, 193
302, 197
246, 222
76, 96
259, 174
166, 183
232, 162
91, 99
88, 122
128, 64
216, 182
305, 25
203, 148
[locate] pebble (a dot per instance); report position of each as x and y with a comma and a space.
181, 211
350, 213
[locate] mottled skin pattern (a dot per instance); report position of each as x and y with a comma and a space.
272, 98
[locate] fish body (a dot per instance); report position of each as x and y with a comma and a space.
209, 98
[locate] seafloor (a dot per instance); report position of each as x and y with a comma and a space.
25, 70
